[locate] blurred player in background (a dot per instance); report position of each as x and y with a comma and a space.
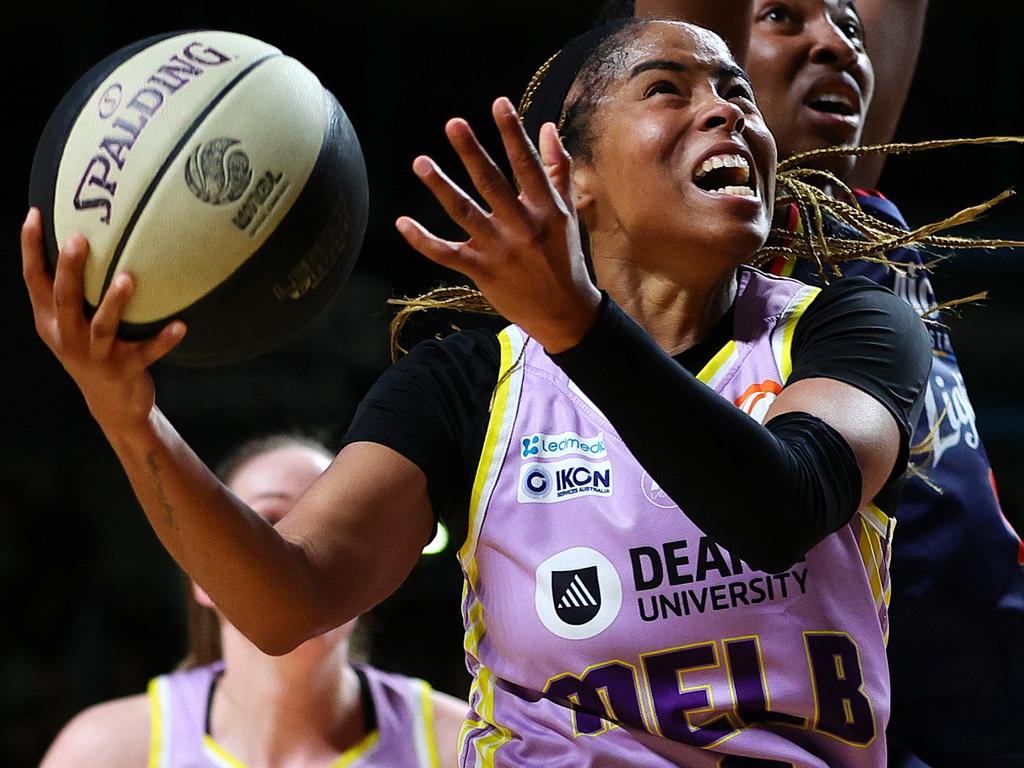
232, 705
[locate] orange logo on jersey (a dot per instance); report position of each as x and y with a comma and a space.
757, 398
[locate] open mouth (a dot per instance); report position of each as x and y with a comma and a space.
725, 175
833, 104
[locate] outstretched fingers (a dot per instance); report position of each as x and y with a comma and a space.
457, 256
522, 155
487, 177
557, 163
462, 209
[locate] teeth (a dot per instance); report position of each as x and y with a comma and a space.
835, 98
733, 190
724, 161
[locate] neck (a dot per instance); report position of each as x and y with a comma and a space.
303, 708
678, 308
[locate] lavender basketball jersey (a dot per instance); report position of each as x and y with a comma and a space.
605, 629
404, 735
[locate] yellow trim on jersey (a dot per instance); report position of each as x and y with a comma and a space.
484, 469
874, 540
486, 746
353, 753
496, 442
156, 724
218, 754
790, 318
427, 713
715, 364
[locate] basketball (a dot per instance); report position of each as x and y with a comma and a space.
221, 174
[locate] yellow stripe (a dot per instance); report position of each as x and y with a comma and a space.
483, 685
870, 553
156, 724
489, 745
352, 754
427, 709
788, 266
487, 455
715, 363
792, 317
219, 753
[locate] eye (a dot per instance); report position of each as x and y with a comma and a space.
661, 86
739, 90
778, 14
852, 29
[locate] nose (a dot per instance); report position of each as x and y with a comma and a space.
830, 46
722, 114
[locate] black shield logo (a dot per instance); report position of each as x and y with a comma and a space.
576, 594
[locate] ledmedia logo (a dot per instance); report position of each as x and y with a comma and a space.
563, 444
578, 593
560, 480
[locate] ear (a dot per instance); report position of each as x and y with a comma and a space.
201, 597
584, 182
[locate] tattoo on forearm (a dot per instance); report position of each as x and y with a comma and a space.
154, 470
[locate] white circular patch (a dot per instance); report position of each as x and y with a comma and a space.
654, 494
578, 593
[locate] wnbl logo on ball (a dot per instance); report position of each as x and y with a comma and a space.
561, 480
218, 171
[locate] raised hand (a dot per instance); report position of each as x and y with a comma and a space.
111, 372
524, 254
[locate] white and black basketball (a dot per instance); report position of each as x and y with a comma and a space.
221, 174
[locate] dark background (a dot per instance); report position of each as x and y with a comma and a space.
89, 602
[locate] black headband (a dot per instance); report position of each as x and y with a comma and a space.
545, 94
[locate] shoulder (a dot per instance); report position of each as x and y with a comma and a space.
112, 733
878, 205
859, 297
462, 347
449, 715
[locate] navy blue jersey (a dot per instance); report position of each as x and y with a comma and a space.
956, 647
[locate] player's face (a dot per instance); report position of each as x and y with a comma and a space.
680, 152
272, 482
811, 74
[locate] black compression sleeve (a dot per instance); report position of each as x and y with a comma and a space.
800, 479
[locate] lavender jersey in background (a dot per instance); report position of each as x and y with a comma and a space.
605, 629
404, 735
958, 584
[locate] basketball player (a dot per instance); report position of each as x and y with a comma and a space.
814, 82
311, 707
605, 626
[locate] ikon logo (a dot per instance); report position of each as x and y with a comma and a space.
560, 480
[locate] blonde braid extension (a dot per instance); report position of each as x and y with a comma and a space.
814, 245
879, 237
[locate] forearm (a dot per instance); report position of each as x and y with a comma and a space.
264, 584
693, 442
